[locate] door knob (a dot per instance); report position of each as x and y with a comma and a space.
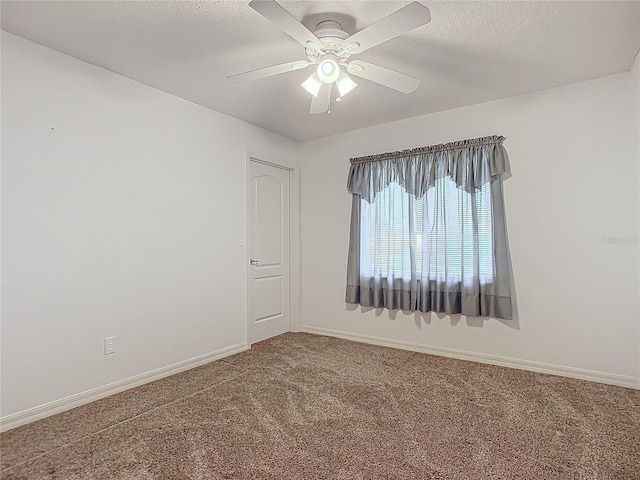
254, 262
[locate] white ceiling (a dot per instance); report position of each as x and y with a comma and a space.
471, 52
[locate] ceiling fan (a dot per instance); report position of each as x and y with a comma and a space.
330, 48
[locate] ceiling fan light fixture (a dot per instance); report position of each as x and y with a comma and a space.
330, 47
328, 69
312, 84
345, 84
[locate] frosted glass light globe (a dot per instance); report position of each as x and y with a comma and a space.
328, 70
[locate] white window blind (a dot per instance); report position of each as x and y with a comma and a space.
401, 233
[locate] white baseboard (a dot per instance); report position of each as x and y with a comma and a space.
36, 413
579, 373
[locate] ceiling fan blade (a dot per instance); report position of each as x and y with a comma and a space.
398, 81
271, 10
407, 18
320, 104
268, 71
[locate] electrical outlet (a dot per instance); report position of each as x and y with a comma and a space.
109, 345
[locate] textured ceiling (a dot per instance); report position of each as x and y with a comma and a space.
471, 52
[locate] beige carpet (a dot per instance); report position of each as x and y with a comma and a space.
310, 407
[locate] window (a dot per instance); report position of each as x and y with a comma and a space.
396, 223
428, 230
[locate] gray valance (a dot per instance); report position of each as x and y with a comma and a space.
469, 163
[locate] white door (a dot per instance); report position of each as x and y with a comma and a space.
269, 292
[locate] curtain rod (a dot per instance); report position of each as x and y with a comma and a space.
472, 142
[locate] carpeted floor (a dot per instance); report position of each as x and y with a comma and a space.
301, 406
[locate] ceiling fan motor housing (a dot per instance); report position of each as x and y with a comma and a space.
330, 29
331, 34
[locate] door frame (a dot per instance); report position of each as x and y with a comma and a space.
294, 240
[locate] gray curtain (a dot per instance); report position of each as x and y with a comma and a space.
428, 230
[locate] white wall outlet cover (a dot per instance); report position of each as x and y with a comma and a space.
109, 345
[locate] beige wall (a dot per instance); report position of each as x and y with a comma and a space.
121, 211
574, 158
